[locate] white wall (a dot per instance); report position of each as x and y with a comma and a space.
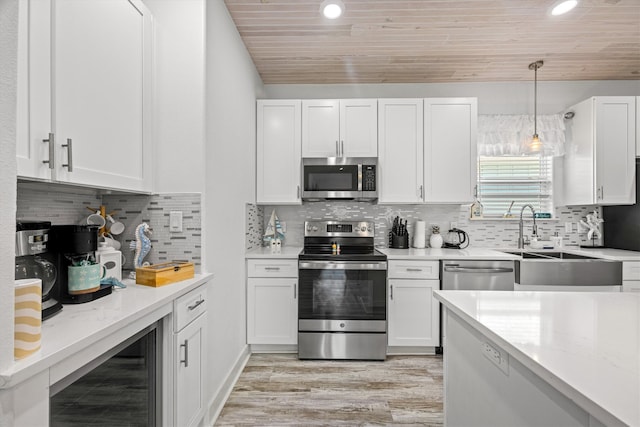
493, 97
8, 89
232, 87
178, 95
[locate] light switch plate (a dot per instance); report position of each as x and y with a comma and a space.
568, 227
175, 222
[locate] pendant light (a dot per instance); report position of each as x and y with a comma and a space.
535, 145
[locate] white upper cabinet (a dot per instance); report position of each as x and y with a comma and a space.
599, 164
278, 152
90, 87
450, 153
339, 128
400, 160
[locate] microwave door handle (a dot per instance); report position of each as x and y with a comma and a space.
359, 177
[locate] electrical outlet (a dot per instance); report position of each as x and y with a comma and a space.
453, 225
568, 227
496, 355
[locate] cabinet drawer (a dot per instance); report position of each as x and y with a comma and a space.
272, 267
188, 307
399, 269
631, 270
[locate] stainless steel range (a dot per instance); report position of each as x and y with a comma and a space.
342, 302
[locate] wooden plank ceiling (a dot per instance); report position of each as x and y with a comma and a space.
428, 41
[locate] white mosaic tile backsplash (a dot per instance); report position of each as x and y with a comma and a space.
483, 233
62, 205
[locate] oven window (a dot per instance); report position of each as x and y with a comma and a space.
342, 294
331, 178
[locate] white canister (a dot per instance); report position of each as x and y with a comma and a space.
111, 260
435, 240
27, 318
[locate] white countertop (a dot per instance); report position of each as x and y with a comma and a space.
611, 254
436, 254
586, 345
265, 252
79, 326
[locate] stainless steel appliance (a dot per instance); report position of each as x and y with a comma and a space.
621, 227
342, 293
456, 239
347, 178
32, 241
474, 275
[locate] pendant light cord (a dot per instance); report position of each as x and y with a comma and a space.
534, 66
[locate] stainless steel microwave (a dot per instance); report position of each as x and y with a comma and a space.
343, 178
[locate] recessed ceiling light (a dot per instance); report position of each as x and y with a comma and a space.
563, 7
332, 9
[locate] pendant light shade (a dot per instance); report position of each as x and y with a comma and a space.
535, 146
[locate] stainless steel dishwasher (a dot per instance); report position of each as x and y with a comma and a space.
474, 275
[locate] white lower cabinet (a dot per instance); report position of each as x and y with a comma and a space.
272, 301
631, 276
413, 312
189, 346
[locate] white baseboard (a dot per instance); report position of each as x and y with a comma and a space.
273, 348
406, 351
220, 398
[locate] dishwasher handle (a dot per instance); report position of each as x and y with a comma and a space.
457, 269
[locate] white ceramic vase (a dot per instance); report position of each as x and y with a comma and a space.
435, 240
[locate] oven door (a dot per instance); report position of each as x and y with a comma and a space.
342, 296
331, 181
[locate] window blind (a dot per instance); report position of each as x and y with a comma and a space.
522, 179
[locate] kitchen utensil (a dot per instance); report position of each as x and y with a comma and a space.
399, 236
84, 279
96, 219
110, 241
456, 239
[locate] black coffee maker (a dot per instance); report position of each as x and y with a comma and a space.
74, 248
32, 251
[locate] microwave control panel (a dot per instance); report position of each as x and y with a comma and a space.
368, 178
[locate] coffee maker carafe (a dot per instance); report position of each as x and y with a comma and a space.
74, 247
32, 240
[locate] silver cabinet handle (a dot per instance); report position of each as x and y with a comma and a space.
337, 149
341, 148
272, 268
421, 191
194, 306
52, 151
414, 269
478, 270
295, 290
69, 146
602, 192
298, 192
391, 291
186, 353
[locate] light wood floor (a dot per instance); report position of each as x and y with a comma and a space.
279, 389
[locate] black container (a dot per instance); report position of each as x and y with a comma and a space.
399, 242
68, 242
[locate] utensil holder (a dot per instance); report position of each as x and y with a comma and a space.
399, 242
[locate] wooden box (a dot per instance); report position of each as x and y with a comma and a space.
157, 275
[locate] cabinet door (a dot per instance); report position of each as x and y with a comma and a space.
414, 316
278, 170
579, 174
34, 92
190, 373
359, 128
320, 128
400, 157
631, 286
615, 131
102, 92
450, 159
272, 311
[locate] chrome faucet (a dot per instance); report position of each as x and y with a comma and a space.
521, 229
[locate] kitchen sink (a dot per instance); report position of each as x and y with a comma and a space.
558, 268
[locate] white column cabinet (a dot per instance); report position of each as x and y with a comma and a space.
189, 348
450, 153
414, 314
272, 301
91, 88
278, 172
400, 145
339, 128
599, 164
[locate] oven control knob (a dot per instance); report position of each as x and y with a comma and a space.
368, 228
342, 325
315, 228
363, 228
